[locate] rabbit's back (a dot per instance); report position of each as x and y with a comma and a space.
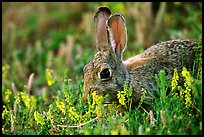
165, 55
168, 50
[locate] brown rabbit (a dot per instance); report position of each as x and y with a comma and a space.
107, 72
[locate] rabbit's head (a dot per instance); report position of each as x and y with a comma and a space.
106, 73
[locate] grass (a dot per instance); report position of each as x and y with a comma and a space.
67, 114
42, 76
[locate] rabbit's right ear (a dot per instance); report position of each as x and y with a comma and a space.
100, 18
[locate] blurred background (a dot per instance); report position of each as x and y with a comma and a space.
61, 36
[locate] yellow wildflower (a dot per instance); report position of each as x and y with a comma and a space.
142, 97
39, 118
114, 132
5, 112
188, 102
26, 99
181, 91
49, 113
86, 115
7, 96
96, 98
174, 82
60, 105
50, 79
127, 92
121, 98
187, 76
72, 113
187, 91
12, 118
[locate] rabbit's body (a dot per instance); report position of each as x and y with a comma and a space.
107, 72
165, 55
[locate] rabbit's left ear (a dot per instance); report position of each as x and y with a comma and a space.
117, 34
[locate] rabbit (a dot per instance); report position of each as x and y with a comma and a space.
107, 72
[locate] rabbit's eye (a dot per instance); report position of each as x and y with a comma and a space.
105, 74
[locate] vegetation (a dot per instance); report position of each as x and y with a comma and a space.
45, 47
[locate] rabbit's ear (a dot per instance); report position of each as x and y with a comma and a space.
101, 16
117, 33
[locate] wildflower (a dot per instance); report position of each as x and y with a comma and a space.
3, 130
96, 98
72, 113
181, 91
188, 102
26, 100
49, 78
97, 110
7, 96
86, 115
174, 82
13, 118
142, 97
39, 118
121, 98
49, 113
5, 112
127, 92
187, 76
67, 100
147, 130
60, 105
18, 98
187, 91
114, 132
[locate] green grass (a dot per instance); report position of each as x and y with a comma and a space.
51, 102
67, 114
